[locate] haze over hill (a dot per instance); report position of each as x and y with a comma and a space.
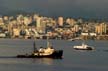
54, 8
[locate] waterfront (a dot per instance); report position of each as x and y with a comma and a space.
73, 60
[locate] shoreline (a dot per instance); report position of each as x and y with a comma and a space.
55, 39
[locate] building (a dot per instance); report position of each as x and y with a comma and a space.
38, 22
60, 21
1, 21
16, 32
27, 20
101, 28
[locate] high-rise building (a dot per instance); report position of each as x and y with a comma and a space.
1, 21
27, 20
6, 18
71, 21
76, 28
60, 21
68, 20
38, 22
100, 29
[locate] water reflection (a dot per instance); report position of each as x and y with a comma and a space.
84, 50
46, 61
105, 50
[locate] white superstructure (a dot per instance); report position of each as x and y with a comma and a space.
83, 47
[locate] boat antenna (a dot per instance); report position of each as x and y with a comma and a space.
48, 43
34, 47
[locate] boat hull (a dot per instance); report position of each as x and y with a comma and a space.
55, 54
83, 48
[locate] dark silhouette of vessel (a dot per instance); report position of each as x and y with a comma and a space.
48, 52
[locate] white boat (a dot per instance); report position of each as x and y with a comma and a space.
83, 47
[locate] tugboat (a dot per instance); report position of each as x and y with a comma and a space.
83, 47
48, 52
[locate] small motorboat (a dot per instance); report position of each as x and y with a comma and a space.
83, 47
48, 52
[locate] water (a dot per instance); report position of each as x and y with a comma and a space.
73, 60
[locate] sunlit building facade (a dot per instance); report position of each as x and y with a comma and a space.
60, 21
101, 29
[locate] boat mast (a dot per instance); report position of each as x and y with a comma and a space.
48, 43
34, 47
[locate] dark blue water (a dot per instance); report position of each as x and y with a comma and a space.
73, 60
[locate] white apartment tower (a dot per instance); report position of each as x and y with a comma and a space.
60, 21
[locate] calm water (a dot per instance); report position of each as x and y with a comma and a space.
73, 60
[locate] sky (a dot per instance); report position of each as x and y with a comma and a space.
54, 8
